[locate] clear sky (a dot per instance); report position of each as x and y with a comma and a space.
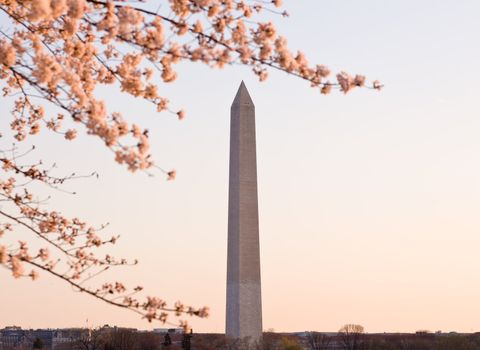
368, 202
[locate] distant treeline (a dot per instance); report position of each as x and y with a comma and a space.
343, 341
349, 337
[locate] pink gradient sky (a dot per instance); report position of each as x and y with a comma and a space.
368, 203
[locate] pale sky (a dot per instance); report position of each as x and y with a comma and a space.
368, 202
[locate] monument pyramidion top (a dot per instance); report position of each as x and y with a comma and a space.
242, 97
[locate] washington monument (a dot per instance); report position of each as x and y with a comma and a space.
244, 300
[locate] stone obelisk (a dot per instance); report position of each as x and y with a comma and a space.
244, 300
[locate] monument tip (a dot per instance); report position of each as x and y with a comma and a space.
242, 97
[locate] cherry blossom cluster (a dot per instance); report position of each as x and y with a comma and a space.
55, 54
59, 51
70, 247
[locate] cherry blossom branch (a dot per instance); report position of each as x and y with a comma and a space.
58, 53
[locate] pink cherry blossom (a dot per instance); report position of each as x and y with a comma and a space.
56, 55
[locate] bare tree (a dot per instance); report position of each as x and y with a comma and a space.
269, 341
318, 341
209, 341
90, 339
121, 339
352, 336
149, 341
